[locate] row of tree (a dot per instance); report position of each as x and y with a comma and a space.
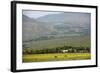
68, 49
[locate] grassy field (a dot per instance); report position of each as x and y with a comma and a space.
67, 41
55, 57
83, 41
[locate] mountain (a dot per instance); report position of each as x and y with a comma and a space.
56, 25
33, 29
69, 22
68, 17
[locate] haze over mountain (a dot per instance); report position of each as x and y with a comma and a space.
68, 22
33, 29
68, 17
56, 25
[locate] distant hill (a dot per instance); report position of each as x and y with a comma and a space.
56, 25
34, 29
69, 22
68, 17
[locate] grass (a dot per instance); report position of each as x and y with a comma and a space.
55, 57
67, 41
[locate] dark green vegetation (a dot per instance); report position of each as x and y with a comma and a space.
64, 49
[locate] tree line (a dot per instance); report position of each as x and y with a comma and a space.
68, 49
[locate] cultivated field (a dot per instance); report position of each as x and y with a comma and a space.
55, 57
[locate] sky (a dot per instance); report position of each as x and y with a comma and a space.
37, 14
